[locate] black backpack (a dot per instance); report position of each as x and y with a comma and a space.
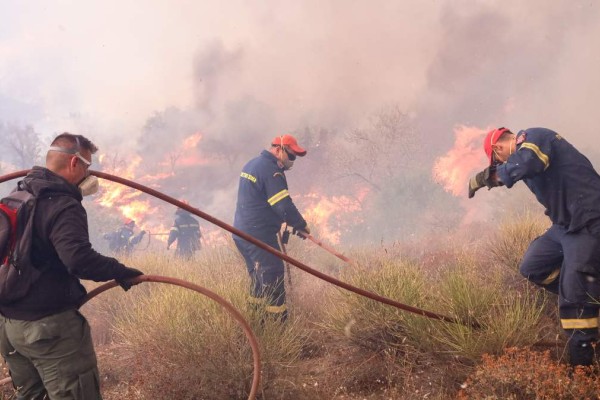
17, 272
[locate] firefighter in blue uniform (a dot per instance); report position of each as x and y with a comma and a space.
186, 230
263, 205
123, 240
566, 259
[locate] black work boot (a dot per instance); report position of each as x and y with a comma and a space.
581, 353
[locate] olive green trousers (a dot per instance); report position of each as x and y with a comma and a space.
51, 358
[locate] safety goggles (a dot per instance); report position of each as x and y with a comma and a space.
74, 152
291, 156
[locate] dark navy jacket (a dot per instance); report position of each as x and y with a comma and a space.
186, 230
264, 202
563, 180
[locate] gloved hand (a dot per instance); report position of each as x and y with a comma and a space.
126, 275
485, 178
142, 233
296, 231
285, 237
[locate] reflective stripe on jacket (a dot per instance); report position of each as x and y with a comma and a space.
563, 180
264, 201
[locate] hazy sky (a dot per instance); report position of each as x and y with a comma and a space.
107, 66
111, 64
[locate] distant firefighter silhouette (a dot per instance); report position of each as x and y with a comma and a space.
186, 231
123, 240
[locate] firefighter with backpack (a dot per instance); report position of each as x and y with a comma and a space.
44, 339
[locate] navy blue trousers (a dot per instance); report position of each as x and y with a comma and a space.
266, 274
568, 264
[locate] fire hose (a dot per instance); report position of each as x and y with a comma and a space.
188, 285
222, 302
266, 247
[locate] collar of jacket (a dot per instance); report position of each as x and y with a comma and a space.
41, 181
271, 157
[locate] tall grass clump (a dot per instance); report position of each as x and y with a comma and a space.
512, 237
494, 315
184, 345
373, 325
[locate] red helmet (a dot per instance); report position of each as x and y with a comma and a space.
492, 138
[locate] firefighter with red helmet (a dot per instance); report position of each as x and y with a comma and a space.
123, 240
263, 205
566, 259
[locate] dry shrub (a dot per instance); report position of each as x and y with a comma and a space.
512, 238
494, 316
183, 344
526, 374
373, 325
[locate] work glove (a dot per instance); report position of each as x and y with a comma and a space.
485, 178
285, 237
142, 233
297, 231
127, 274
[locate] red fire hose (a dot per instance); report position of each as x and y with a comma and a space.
222, 302
266, 247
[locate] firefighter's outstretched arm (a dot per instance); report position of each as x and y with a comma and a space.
486, 178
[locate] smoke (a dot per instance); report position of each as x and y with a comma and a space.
141, 82
517, 65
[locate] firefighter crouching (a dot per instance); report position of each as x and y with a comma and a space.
123, 240
263, 204
566, 259
186, 230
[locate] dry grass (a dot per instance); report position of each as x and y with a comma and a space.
157, 341
505, 316
507, 246
185, 342
525, 374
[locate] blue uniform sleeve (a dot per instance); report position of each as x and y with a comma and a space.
532, 157
173, 234
280, 201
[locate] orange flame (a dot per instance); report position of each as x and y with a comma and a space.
215, 237
123, 198
331, 214
192, 141
454, 168
136, 210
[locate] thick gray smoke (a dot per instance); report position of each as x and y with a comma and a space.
373, 90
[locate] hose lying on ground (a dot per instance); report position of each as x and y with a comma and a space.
222, 302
